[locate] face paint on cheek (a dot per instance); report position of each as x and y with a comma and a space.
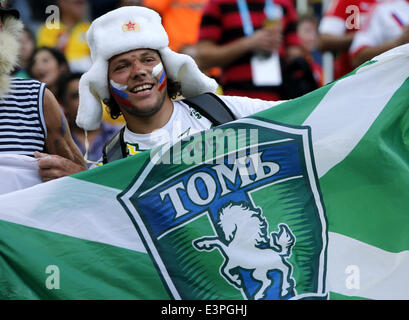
118, 91
159, 70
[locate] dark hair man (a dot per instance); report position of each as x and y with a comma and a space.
136, 74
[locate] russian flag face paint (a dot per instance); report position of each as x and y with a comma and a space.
118, 91
158, 70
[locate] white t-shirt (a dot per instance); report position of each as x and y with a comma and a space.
385, 24
185, 121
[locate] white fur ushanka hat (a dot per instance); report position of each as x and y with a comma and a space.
123, 30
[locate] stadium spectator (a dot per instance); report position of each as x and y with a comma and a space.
120, 121
27, 42
68, 34
34, 13
47, 65
307, 30
387, 28
141, 83
227, 40
337, 29
68, 95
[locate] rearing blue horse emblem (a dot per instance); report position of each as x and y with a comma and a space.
247, 244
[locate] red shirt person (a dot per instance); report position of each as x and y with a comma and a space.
223, 43
337, 29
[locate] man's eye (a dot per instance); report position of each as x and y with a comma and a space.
120, 67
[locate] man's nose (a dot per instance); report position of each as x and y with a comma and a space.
138, 69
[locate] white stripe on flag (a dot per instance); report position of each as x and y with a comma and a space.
74, 208
358, 269
350, 107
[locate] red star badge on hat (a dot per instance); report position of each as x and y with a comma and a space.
130, 26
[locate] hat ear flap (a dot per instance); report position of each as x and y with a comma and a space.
183, 69
92, 89
89, 114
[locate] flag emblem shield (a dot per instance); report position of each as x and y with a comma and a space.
234, 212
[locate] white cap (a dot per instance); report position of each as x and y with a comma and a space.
122, 30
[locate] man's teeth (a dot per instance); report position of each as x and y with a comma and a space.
140, 88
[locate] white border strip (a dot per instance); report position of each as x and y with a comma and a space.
358, 269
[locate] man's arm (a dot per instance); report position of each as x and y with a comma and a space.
210, 54
64, 157
333, 35
335, 43
368, 52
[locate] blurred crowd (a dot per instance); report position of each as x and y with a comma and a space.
229, 40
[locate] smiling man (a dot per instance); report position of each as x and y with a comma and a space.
136, 74
144, 94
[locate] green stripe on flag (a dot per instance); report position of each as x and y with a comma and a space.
135, 229
294, 112
118, 174
87, 270
363, 186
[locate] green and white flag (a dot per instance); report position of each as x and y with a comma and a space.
306, 200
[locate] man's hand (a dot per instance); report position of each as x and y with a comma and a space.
267, 39
52, 167
210, 54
